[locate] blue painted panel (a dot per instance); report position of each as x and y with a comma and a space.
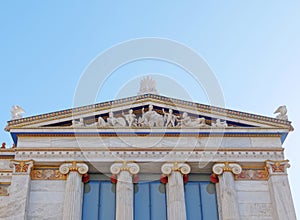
209, 201
158, 207
150, 201
107, 205
99, 201
193, 201
90, 201
141, 201
201, 201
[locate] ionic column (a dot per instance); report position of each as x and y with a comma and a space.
74, 189
227, 196
175, 189
124, 194
280, 192
19, 190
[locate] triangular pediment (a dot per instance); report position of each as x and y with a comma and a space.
136, 112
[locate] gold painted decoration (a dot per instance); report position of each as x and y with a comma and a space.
73, 166
47, 174
278, 167
253, 174
21, 166
4, 189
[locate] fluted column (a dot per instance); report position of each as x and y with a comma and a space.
19, 190
74, 189
280, 193
175, 189
227, 196
124, 194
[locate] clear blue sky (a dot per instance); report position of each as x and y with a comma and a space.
253, 48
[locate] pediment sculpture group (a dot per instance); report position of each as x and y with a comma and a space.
151, 119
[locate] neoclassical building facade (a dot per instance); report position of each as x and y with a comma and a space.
146, 157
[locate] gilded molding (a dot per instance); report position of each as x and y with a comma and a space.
278, 167
132, 168
168, 168
219, 168
21, 166
81, 168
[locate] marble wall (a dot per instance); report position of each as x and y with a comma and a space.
46, 199
254, 200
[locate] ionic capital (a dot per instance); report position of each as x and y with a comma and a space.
168, 168
131, 167
277, 167
219, 168
81, 168
21, 166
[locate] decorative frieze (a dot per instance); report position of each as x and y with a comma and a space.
252, 174
51, 173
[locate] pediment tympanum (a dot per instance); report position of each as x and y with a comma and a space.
148, 111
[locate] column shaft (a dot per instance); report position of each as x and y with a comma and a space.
280, 192
124, 197
175, 197
228, 197
74, 189
73, 197
175, 189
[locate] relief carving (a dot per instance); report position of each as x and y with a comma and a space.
253, 174
47, 174
151, 118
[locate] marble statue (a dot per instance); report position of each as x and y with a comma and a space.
79, 123
101, 122
151, 118
16, 112
169, 118
219, 124
282, 110
147, 85
130, 118
112, 121
187, 121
